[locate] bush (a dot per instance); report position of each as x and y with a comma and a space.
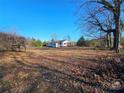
36, 43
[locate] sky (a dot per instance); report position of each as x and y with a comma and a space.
39, 18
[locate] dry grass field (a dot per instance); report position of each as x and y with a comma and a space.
59, 71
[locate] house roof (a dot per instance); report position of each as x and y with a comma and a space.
58, 41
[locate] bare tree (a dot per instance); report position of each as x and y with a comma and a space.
12, 41
114, 7
54, 36
104, 24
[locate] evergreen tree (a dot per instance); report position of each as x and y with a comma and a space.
81, 41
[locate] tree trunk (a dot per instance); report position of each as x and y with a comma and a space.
114, 40
118, 38
110, 40
117, 25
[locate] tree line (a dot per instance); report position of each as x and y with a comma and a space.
12, 41
99, 43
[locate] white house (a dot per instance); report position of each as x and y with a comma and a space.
59, 43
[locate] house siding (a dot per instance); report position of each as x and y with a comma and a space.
58, 44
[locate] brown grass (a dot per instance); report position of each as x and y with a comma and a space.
54, 71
